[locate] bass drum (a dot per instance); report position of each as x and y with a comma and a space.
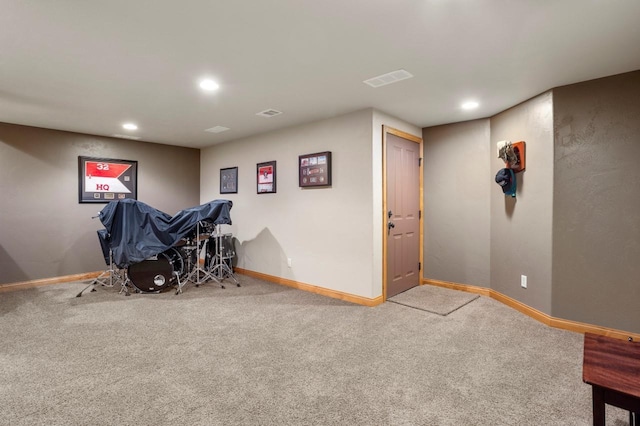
157, 273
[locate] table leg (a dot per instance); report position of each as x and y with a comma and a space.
598, 406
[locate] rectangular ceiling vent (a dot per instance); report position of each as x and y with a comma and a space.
388, 78
217, 129
268, 113
135, 138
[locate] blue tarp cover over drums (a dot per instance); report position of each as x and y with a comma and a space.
137, 231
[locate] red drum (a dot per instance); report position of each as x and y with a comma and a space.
158, 272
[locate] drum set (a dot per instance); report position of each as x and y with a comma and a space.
206, 254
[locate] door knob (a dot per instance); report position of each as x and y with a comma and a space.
390, 225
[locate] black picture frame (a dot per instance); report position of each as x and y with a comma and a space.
314, 170
266, 177
101, 180
229, 180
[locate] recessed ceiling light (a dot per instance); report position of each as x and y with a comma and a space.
129, 126
209, 85
470, 105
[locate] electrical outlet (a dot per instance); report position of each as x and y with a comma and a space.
289, 262
523, 281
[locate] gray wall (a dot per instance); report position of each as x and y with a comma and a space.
574, 227
521, 228
473, 233
328, 233
44, 231
457, 188
596, 232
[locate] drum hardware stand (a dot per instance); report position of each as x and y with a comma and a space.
180, 285
194, 275
112, 272
220, 269
188, 249
124, 285
106, 278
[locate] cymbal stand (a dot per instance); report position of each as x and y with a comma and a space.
194, 276
221, 269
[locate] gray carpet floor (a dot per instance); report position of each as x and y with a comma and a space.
265, 354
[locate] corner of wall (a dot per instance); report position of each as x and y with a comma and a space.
521, 227
457, 202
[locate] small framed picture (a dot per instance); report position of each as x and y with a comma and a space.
229, 180
101, 180
266, 178
314, 170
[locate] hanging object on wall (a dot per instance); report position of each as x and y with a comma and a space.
506, 178
512, 154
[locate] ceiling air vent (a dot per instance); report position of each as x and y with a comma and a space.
217, 129
269, 113
135, 138
388, 78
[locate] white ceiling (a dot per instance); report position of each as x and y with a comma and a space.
88, 66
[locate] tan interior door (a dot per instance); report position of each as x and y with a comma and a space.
403, 214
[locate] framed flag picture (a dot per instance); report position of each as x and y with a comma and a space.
101, 180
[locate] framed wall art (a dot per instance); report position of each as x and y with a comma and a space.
229, 180
266, 177
314, 170
101, 180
